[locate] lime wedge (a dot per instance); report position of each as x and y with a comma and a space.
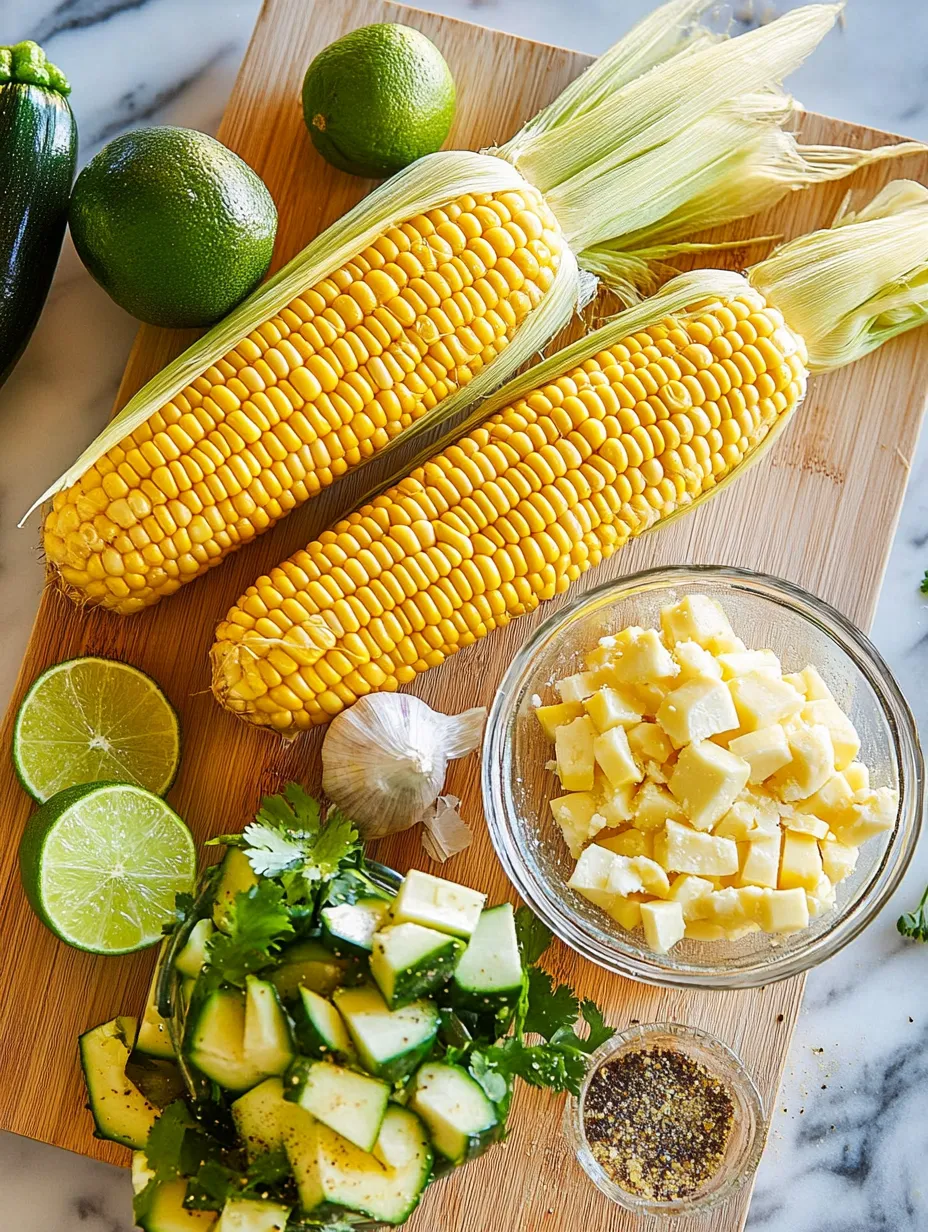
101, 863
95, 720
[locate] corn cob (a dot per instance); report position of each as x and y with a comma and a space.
325, 383
586, 452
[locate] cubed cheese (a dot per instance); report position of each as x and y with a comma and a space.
591, 876
617, 803
691, 893
812, 763
833, 802
763, 700
805, 823
844, 737
696, 710
644, 660
735, 934
625, 876
734, 908
858, 776
838, 860
693, 660
578, 819
614, 757
822, 898
649, 742
630, 843
760, 861
784, 911
766, 812
809, 683
625, 911
704, 930
573, 750
610, 708
873, 812
576, 688
800, 861
697, 618
648, 698
553, 717
744, 662
653, 877
663, 925
766, 750
740, 822
682, 850
601, 655
707, 780
653, 806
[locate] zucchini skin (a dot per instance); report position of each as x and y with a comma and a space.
38, 155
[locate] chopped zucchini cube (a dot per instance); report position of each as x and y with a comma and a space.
236, 876
120, 1111
320, 1029
259, 1117
461, 1121
214, 1040
390, 1043
252, 1215
190, 960
267, 1042
409, 961
488, 977
167, 1212
352, 1104
348, 928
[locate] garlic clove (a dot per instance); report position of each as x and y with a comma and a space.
384, 760
444, 831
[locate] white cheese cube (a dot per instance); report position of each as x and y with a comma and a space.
697, 618
682, 850
707, 780
625, 911
858, 776
873, 813
693, 660
739, 822
763, 700
578, 819
652, 875
822, 898
644, 659
649, 742
734, 908
766, 750
844, 737
630, 843
698, 709
784, 911
601, 655
743, 662
617, 804
766, 812
648, 697
838, 860
800, 861
610, 708
833, 802
573, 750
663, 925
704, 930
812, 763
805, 823
653, 806
576, 688
625, 876
553, 717
760, 862
591, 876
614, 757
691, 893
809, 683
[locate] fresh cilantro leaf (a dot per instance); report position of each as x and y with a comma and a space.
534, 936
259, 921
599, 1032
163, 1152
337, 839
271, 852
549, 1007
914, 924
269, 1168
294, 810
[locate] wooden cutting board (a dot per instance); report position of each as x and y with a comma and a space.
820, 510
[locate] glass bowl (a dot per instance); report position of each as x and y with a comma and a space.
765, 612
745, 1142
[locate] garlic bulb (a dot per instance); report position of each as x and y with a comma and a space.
384, 760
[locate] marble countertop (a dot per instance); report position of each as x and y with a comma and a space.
849, 1139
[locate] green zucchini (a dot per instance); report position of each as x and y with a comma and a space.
38, 154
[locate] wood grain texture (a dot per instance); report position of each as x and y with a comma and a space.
821, 511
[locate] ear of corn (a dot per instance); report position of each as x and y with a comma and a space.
617, 434
422, 299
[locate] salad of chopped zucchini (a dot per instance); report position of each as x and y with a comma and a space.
325, 1038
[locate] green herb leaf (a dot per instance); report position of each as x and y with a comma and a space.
549, 1007
534, 936
163, 1153
258, 922
924, 584
914, 924
270, 851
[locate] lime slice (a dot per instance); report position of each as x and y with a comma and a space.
91, 721
101, 863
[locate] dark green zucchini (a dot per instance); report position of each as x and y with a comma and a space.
38, 153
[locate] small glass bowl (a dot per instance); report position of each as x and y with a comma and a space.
765, 612
745, 1143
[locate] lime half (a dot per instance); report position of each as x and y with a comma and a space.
95, 720
101, 863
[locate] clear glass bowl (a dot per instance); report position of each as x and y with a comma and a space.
745, 1143
765, 612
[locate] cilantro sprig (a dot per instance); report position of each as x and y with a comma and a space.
258, 924
914, 924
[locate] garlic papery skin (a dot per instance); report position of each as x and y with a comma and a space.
384, 760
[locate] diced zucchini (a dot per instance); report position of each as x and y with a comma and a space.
348, 928
309, 964
488, 977
258, 1117
214, 1039
168, 1213
390, 1043
267, 1042
121, 1113
251, 1215
385, 1185
190, 960
159, 1080
436, 903
460, 1119
320, 1029
154, 1038
409, 961
235, 877
352, 1104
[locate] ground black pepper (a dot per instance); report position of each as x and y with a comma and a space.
657, 1122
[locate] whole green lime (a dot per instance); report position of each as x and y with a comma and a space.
173, 225
378, 99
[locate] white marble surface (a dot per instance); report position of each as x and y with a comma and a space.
850, 1136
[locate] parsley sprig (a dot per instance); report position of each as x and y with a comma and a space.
914, 924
